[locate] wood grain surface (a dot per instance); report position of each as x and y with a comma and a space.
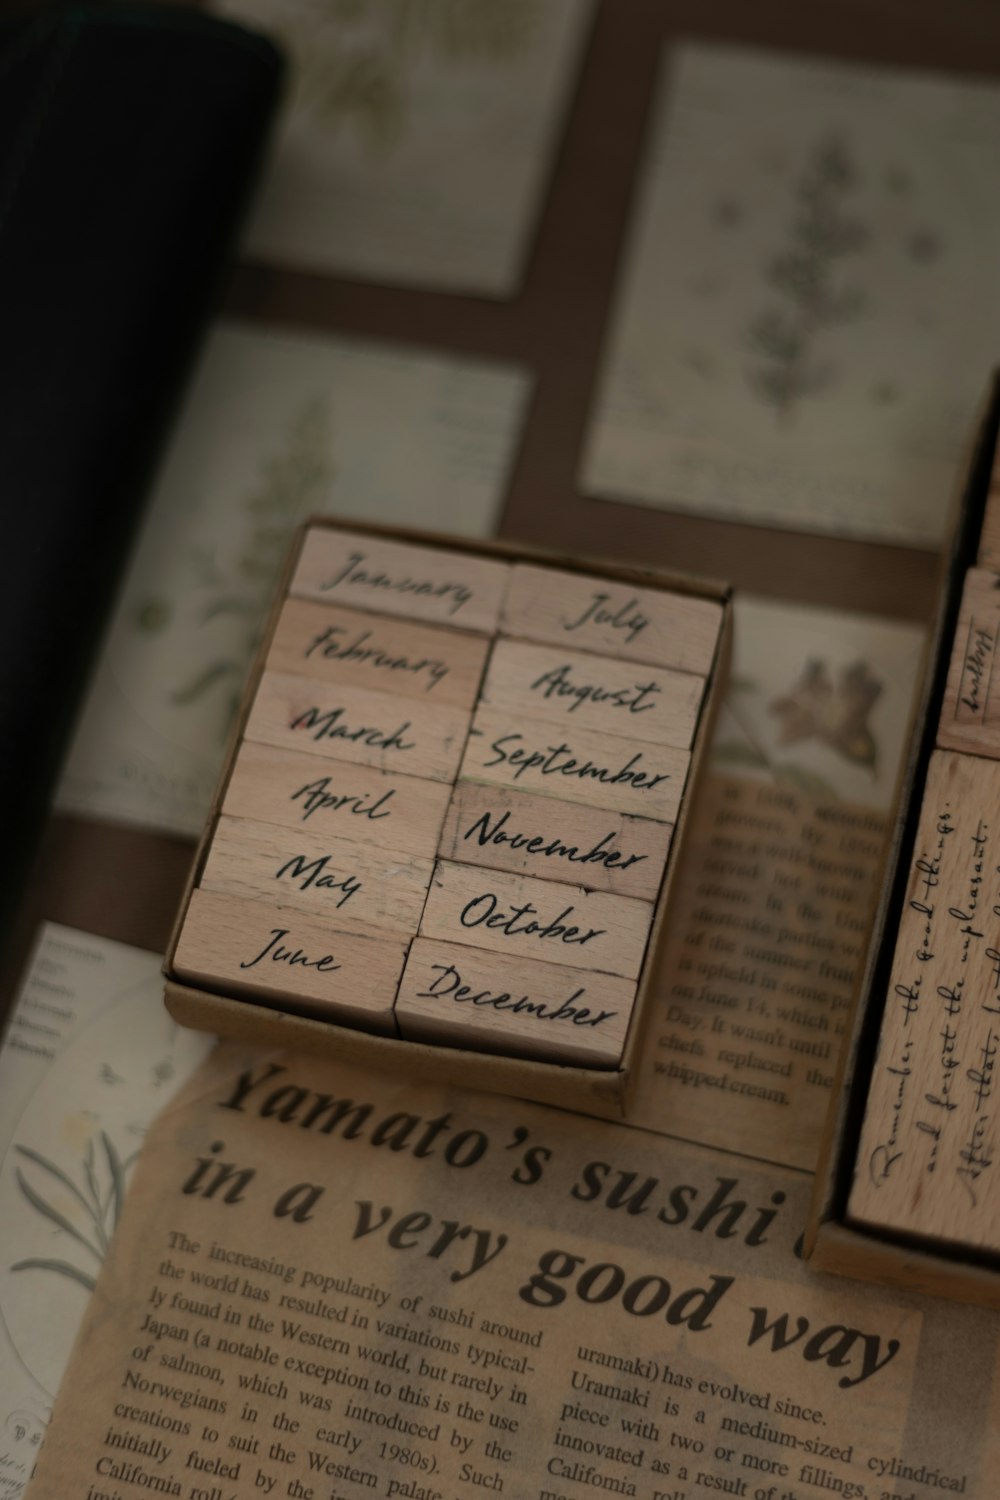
576, 690
519, 917
577, 765
356, 887
385, 655
928, 1157
336, 799
291, 960
362, 728
555, 840
396, 578
463, 996
970, 711
600, 615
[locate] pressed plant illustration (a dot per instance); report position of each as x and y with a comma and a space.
809, 292
355, 58
87, 1216
835, 714
294, 481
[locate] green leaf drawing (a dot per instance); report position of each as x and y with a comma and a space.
293, 480
101, 1206
116, 1192
807, 297
57, 1173
61, 1267
202, 682
54, 1216
356, 63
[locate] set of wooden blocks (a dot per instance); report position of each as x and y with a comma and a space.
450, 808
929, 1150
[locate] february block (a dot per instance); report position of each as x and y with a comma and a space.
368, 651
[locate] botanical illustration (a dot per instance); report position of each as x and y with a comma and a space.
807, 308
234, 587
833, 712
810, 291
355, 58
86, 1211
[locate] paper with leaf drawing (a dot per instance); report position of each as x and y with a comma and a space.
89, 1057
818, 701
418, 138
274, 429
808, 311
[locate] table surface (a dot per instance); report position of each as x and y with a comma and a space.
125, 884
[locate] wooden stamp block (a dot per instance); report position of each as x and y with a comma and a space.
596, 614
970, 712
555, 840
592, 692
289, 959
519, 917
398, 578
336, 800
465, 997
929, 1153
395, 656
348, 724
577, 765
356, 887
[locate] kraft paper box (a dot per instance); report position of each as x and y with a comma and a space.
838, 1239
223, 884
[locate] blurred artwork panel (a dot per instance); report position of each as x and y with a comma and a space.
809, 308
418, 137
275, 428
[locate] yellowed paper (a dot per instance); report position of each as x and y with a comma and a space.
333, 1284
781, 865
767, 938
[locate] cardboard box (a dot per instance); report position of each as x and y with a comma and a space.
834, 1242
603, 1091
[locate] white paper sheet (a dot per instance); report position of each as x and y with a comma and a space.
275, 429
809, 307
418, 138
89, 1058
